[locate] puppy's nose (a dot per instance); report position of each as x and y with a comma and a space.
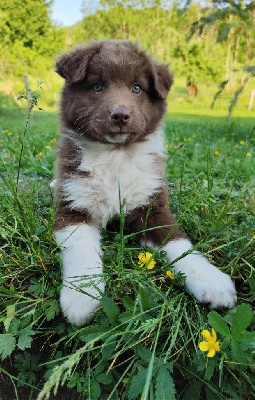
120, 116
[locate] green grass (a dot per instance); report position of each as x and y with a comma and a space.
144, 340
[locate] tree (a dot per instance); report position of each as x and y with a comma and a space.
27, 35
234, 20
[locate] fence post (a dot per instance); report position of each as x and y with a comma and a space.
28, 91
251, 100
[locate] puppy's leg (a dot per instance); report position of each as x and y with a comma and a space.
82, 271
205, 281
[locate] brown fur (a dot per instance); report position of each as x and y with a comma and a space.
116, 65
110, 150
87, 65
156, 215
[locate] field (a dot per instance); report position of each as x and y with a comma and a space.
144, 340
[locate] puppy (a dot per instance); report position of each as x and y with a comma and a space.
111, 151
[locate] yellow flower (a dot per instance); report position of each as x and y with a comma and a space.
185, 139
170, 274
176, 139
146, 258
193, 135
236, 145
40, 154
242, 142
9, 133
166, 145
216, 152
248, 154
48, 147
175, 147
210, 345
224, 139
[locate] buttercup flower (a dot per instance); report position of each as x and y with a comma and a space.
144, 258
248, 154
210, 345
170, 274
216, 152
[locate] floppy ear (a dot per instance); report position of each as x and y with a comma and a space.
73, 66
163, 80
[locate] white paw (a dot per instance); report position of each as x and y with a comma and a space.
209, 285
82, 272
79, 308
205, 281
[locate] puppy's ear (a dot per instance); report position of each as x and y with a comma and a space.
163, 81
73, 66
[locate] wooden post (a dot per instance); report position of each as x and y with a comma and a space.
251, 100
28, 91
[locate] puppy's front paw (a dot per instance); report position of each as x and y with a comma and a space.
79, 307
205, 281
209, 285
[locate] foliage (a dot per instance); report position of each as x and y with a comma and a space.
144, 341
28, 37
160, 27
190, 61
234, 19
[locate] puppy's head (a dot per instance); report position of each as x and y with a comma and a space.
113, 93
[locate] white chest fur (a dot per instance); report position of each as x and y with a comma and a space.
132, 175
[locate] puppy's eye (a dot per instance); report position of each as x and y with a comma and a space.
97, 87
136, 89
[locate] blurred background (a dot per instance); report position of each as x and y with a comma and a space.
210, 45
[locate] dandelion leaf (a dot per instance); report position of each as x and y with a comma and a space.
165, 388
144, 353
10, 316
111, 310
128, 303
137, 384
93, 332
25, 338
53, 309
218, 323
241, 320
95, 390
105, 379
7, 345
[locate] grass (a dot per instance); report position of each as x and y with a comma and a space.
144, 340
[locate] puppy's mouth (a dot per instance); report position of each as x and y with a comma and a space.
117, 137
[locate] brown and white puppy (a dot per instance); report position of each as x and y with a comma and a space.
111, 146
